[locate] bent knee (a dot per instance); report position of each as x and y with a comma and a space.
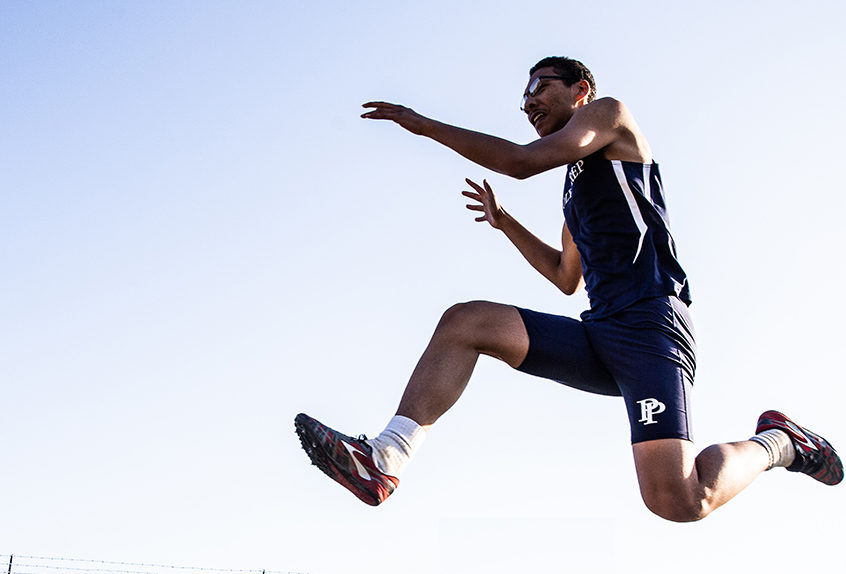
490, 328
464, 318
674, 502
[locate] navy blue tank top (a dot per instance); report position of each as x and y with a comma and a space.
616, 212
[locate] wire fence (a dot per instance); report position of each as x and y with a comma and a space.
25, 564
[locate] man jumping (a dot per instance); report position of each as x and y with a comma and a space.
636, 340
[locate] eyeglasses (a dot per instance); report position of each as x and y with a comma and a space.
536, 87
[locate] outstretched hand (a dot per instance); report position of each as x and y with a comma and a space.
405, 117
488, 204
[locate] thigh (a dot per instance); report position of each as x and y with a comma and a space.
667, 477
559, 350
650, 350
663, 463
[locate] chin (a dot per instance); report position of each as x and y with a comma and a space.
544, 128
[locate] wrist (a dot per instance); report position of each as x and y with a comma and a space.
504, 221
428, 127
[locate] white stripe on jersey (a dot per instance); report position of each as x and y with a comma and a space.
647, 183
630, 199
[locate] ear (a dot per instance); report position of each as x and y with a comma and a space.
584, 91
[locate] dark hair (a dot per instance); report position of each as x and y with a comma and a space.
572, 71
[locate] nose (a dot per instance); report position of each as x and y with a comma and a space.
528, 104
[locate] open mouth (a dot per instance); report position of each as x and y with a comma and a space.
536, 117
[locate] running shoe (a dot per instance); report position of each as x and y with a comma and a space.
345, 460
814, 455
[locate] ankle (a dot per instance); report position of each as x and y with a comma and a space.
395, 446
778, 445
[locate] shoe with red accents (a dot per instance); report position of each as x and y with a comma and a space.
814, 455
346, 460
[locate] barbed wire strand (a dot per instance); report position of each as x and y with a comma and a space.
17, 564
72, 569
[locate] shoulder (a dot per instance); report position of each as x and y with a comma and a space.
606, 103
611, 110
627, 143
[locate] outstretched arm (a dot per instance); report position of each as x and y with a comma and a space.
562, 267
591, 128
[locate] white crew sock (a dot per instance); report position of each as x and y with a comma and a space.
394, 448
778, 445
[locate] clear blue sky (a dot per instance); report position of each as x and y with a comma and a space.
200, 238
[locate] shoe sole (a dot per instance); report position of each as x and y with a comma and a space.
319, 459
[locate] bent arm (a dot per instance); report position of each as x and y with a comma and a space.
563, 268
591, 128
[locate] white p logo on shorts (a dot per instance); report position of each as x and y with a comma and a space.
648, 408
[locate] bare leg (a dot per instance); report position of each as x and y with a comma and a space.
464, 332
682, 487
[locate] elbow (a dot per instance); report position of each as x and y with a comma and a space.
570, 286
521, 174
522, 170
521, 166
514, 170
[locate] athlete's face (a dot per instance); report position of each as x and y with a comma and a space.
549, 103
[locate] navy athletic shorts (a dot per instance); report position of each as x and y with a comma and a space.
645, 353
